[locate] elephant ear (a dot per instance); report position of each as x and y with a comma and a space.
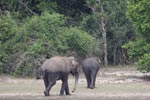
99, 60
73, 61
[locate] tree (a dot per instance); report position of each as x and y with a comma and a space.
21, 9
138, 12
101, 20
110, 26
38, 31
72, 8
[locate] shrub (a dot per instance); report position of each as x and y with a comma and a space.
45, 36
144, 63
140, 50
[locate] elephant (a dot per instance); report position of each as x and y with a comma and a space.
58, 68
90, 67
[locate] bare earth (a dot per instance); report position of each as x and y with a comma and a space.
112, 84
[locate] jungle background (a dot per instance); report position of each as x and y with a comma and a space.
117, 31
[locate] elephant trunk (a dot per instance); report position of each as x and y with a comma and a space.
76, 76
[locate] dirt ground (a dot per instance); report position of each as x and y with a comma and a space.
119, 83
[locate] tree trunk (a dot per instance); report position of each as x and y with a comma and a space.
114, 56
104, 34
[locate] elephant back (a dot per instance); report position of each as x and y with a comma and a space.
56, 64
91, 62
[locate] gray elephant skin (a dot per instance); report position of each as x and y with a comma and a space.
90, 67
58, 68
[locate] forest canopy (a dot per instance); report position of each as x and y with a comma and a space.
116, 31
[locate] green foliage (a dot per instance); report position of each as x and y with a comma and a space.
116, 25
79, 41
7, 40
136, 49
43, 33
71, 7
46, 5
139, 50
31, 31
7, 28
21, 9
91, 25
138, 12
25, 47
144, 63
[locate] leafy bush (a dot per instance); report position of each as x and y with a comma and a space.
137, 11
144, 63
8, 29
139, 50
25, 47
79, 41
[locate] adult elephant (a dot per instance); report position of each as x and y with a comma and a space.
90, 67
58, 68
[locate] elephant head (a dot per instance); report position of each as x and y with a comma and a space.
74, 70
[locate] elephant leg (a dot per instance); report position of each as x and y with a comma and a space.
46, 82
67, 89
46, 92
93, 76
49, 81
88, 78
64, 86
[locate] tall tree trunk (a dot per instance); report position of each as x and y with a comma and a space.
104, 34
114, 56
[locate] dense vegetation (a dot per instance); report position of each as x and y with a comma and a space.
138, 12
31, 31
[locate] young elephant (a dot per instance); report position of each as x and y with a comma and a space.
90, 67
58, 68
